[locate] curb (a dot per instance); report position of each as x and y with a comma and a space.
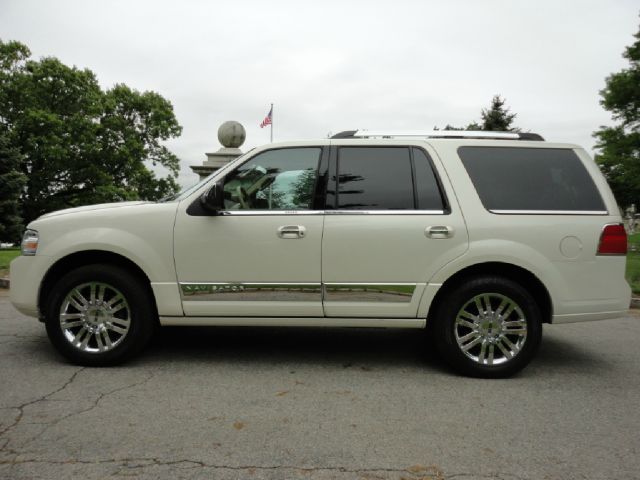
4, 283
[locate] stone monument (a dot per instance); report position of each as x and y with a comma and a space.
231, 135
630, 217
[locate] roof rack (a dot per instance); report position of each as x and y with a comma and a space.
440, 134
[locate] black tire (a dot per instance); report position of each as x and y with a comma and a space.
140, 316
488, 330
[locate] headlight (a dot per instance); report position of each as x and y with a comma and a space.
29, 243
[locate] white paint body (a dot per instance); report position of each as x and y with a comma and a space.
171, 247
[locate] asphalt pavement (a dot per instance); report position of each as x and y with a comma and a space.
277, 403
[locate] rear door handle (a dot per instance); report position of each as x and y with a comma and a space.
292, 231
439, 231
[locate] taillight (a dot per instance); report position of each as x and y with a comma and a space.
613, 240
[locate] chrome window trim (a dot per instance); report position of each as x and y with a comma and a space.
385, 212
244, 213
550, 212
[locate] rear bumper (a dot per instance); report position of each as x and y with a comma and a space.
26, 275
598, 309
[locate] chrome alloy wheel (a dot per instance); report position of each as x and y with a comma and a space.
490, 329
95, 317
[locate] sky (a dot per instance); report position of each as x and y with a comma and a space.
339, 65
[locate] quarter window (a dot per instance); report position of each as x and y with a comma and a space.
533, 179
281, 179
428, 192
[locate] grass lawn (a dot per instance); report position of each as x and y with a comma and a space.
633, 271
6, 255
633, 263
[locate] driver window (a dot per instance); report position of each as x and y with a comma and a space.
280, 179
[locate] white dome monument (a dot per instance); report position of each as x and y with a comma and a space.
231, 135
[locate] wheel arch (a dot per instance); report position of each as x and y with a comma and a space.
88, 257
513, 272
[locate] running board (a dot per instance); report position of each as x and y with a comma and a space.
294, 322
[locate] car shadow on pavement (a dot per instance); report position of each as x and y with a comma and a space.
344, 347
570, 355
365, 349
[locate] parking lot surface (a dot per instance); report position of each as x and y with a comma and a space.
230, 403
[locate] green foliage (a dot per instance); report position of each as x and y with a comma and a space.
633, 272
303, 189
496, 118
619, 146
80, 144
6, 256
12, 182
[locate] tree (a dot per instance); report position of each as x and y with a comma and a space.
303, 189
11, 184
619, 146
80, 144
496, 118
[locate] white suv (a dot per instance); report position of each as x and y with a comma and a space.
481, 237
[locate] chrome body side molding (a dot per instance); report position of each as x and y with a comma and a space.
298, 292
282, 292
369, 292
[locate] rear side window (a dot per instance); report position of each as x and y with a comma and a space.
374, 179
531, 179
387, 178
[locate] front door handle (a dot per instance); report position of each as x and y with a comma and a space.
439, 231
292, 231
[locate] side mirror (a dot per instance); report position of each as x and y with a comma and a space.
212, 200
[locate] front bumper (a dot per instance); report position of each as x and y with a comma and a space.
26, 275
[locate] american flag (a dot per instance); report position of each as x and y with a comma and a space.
267, 119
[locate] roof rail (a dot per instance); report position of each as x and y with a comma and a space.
440, 134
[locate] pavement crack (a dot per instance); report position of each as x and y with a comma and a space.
94, 405
431, 472
21, 408
486, 476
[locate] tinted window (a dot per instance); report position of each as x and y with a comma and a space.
427, 189
274, 180
374, 178
531, 179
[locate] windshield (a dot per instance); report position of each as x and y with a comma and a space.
189, 190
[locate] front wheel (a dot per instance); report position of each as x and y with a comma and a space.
99, 315
488, 327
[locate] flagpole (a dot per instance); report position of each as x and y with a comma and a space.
272, 123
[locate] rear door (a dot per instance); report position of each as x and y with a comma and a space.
390, 223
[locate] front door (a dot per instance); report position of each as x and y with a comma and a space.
261, 256
389, 226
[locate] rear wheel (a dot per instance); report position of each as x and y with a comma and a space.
488, 327
99, 315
